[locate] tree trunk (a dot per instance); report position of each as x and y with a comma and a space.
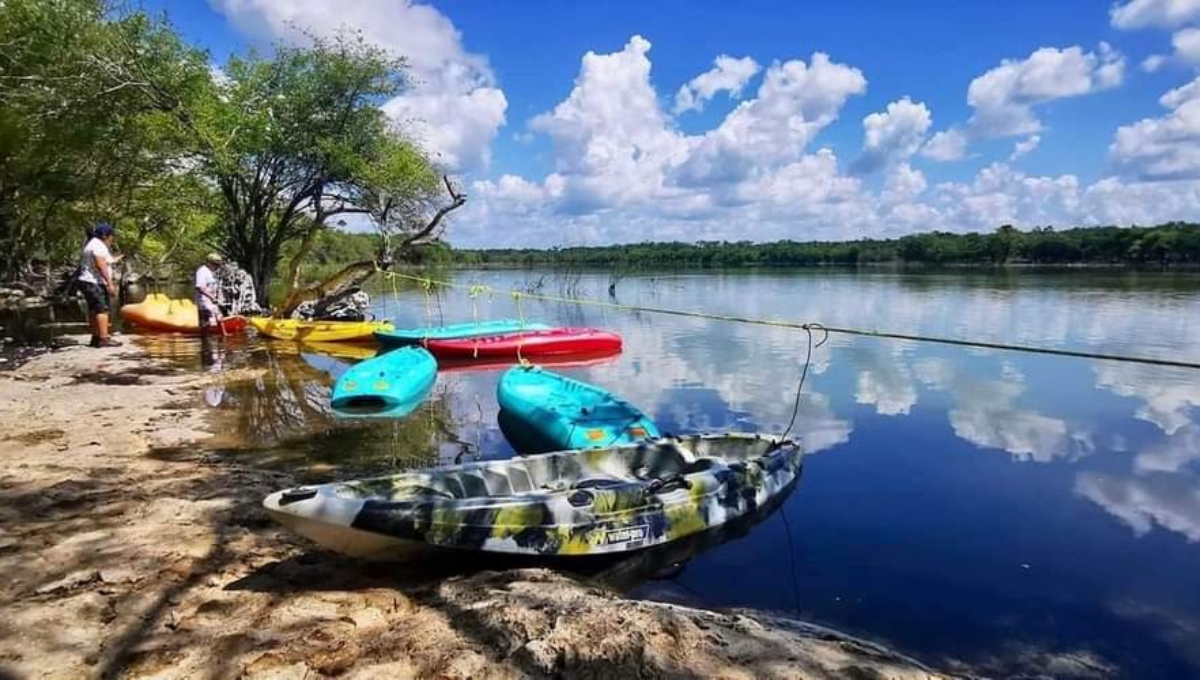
260, 265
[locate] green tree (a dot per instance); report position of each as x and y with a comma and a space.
89, 104
298, 138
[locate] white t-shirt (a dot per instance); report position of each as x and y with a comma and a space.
89, 272
206, 281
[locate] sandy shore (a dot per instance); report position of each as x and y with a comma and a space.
130, 553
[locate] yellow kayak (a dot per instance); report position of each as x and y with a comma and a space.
317, 331
170, 315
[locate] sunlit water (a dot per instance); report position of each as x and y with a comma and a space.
1008, 510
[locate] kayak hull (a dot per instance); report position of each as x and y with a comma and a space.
161, 314
543, 411
412, 336
317, 331
391, 384
553, 342
566, 504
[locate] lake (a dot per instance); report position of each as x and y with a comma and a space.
1004, 510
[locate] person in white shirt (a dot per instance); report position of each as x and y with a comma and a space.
96, 281
206, 293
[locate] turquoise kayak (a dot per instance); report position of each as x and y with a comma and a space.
542, 411
471, 329
391, 384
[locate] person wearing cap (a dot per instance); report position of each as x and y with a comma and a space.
96, 281
206, 292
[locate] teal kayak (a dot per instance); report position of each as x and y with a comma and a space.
542, 411
471, 329
391, 384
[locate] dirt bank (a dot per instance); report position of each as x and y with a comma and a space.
122, 560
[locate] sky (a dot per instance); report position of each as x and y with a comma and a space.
592, 123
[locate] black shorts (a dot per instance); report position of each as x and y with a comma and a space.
96, 296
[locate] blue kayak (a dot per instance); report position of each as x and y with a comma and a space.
542, 411
471, 329
391, 384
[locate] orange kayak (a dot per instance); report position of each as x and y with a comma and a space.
171, 315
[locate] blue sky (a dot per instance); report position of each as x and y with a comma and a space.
823, 120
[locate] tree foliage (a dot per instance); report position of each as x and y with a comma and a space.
109, 115
89, 123
298, 138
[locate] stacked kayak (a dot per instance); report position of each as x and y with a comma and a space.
391, 384
542, 411
411, 336
317, 331
551, 342
570, 503
172, 315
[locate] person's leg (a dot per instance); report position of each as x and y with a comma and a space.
94, 308
102, 321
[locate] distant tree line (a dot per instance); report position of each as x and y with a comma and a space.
1165, 244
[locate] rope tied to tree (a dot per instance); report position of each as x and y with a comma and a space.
426, 286
516, 296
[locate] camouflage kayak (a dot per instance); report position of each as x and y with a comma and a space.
567, 503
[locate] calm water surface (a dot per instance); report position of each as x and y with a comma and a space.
1008, 511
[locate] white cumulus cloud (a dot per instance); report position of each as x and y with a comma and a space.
454, 108
1004, 97
795, 102
1167, 147
1187, 45
1156, 13
947, 145
1153, 62
611, 139
894, 134
1025, 146
727, 75
624, 172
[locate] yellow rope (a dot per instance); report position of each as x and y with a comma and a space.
808, 326
516, 296
426, 284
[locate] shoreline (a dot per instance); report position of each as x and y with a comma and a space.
132, 552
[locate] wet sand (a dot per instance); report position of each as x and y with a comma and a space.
130, 550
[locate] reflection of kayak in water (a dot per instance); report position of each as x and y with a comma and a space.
565, 504
568, 361
351, 351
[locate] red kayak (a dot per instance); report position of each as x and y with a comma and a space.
583, 360
553, 342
